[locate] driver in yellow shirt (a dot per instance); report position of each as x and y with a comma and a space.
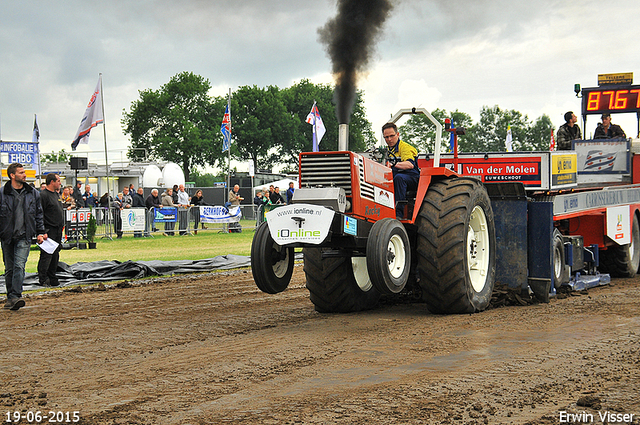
405, 170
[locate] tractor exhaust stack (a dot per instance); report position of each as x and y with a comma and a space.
343, 137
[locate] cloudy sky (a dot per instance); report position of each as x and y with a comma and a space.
455, 54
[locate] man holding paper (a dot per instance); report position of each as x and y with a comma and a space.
20, 221
53, 223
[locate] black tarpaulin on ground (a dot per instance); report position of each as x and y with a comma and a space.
104, 271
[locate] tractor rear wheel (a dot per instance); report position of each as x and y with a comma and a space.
271, 264
561, 272
338, 284
623, 260
456, 246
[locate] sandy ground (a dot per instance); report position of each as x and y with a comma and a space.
213, 349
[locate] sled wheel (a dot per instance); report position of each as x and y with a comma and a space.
623, 260
388, 256
338, 284
271, 264
456, 246
560, 268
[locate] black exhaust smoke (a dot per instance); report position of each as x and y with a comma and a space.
350, 38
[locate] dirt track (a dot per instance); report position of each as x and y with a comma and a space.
213, 349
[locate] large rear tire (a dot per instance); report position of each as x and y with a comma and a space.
456, 246
271, 264
338, 284
388, 256
623, 260
561, 271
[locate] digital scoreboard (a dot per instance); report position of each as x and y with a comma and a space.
612, 99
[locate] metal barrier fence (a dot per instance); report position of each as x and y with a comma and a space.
187, 222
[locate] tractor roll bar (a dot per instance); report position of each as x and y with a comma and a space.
436, 148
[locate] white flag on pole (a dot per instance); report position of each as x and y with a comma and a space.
508, 142
91, 118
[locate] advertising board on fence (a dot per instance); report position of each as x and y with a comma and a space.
77, 218
165, 215
220, 214
133, 219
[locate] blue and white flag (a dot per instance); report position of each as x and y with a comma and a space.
226, 130
318, 126
92, 117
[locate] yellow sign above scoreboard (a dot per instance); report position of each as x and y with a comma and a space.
622, 78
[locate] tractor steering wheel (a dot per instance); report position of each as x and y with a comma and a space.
392, 158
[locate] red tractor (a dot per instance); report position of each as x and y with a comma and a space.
355, 250
534, 221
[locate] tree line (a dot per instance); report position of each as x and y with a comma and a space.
180, 122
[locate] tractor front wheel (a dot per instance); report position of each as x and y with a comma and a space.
388, 256
271, 264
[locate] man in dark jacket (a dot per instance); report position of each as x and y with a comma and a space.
152, 201
20, 220
77, 195
53, 223
137, 201
606, 130
568, 132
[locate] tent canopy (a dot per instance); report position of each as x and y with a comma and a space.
283, 184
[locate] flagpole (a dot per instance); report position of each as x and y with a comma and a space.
106, 159
314, 141
37, 142
229, 150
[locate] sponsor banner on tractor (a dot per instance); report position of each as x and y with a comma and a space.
619, 224
300, 223
384, 197
525, 170
603, 156
564, 169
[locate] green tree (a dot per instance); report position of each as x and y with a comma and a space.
539, 137
420, 132
206, 179
175, 123
490, 133
299, 98
260, 125
55, 157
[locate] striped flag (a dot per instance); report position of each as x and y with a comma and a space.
552, 144
226, 130
318, 126
92, 117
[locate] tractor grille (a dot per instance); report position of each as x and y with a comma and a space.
366, 189
327, 171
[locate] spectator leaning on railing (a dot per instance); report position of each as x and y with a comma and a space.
137, 201
152, 201
167, 201
197, 201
